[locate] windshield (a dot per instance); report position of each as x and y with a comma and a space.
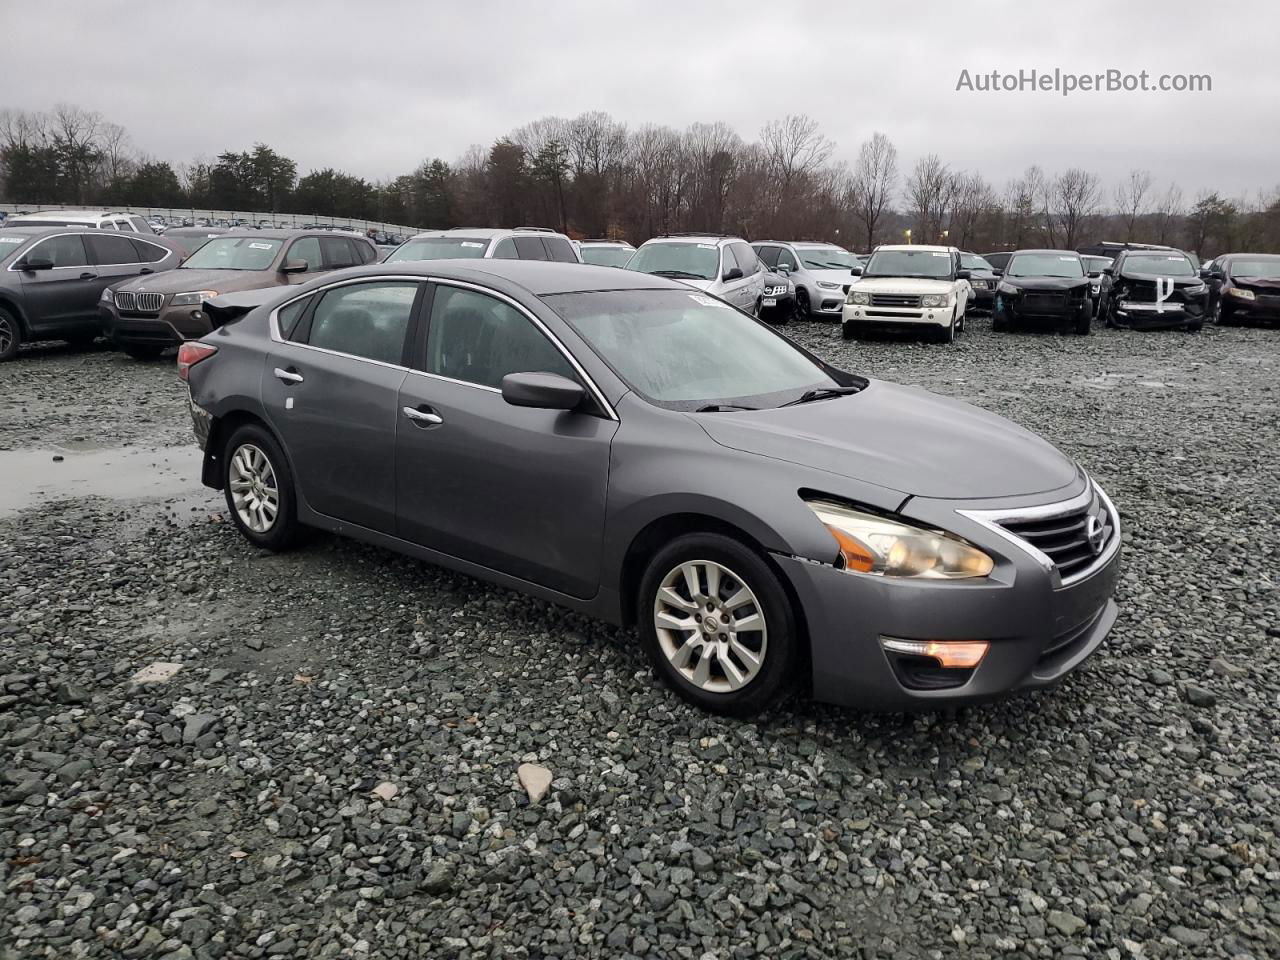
1096, 264
1256, 268
1044, 265
1159, 265
683, 261
971, 261
920, 264
606, 256
439, 248
686, 350
233, 253
826, 258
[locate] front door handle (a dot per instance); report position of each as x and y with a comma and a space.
88, 276
422, 416
287, 376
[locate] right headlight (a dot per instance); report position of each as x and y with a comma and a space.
858, 298
889, 548
1242, 294
1003, 287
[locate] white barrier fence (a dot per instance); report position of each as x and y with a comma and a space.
278, 220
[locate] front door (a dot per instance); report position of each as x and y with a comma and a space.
331, 387
513, 489
65, 297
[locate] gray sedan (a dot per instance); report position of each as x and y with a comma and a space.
631, 448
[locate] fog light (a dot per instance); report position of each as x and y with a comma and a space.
950, 654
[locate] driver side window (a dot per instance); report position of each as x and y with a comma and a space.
728, 261
785, 259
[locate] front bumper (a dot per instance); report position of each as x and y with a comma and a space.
170, 327
1039, 630
826, 302
1262, 307
873, 316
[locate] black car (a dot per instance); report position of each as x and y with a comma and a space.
1244, 286
998, 260
1154, 289
983, 279
778, 302
1043, 287
51, 279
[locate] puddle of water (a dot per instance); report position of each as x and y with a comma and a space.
33, 477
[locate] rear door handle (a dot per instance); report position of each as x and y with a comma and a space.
421, 416
88, 276
287, 376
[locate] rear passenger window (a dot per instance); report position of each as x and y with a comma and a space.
530, 248
505, 250
364, 252
367, 320
140, 225
149, 252
106, 225
287, 317
560, 249
337, 253
109, 250
124, 226
769, 254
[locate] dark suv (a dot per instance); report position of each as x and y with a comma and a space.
51, 279
146, 315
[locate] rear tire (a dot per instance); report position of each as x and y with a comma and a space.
258, 486
10, 335
689, 625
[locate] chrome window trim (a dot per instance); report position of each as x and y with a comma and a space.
992, 519
55, 236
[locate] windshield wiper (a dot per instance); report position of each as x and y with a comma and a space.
822, 393
721, 407
680, 274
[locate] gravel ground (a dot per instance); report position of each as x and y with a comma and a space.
332, 771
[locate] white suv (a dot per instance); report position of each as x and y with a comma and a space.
917, 287
98, 219
725, 267
520, 243
820, 272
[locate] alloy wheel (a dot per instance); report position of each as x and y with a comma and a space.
7, 334
710, 626
254, 492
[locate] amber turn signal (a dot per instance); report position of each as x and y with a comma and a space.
961, 654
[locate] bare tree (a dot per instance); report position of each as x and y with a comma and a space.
76, 132
1169, 209
972, 199
794, 148
872, 184
929, 192
1022, 205
1131, 198
118, 156
1070, 202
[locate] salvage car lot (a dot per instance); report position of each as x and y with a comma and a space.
231, 809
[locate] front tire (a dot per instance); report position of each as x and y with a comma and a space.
259, 490
717, 625
802, 303
10, 335
1084, 322
948, 333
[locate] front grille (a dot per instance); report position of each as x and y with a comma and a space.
894, 300
1064, 538
1046, 302
129, 302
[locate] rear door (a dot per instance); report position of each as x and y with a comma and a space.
510, 488
338, 253
115, 258
330, 387
65, 297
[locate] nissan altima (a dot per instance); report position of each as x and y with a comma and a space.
637, 450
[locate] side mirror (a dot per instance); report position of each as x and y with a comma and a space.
855, 271
733, 273
783, 269
963, 274
294, 266
1109, 271
38, 263
997, 271
545, 391
1094, 275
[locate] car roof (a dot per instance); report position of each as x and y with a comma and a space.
1251, 256
487, 233
605, 243
48, 229
72, 214
1061, 253
926, 248
237, 232
693, 238
538, 277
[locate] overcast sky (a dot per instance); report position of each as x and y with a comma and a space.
375, 87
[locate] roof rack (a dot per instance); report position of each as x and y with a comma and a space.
535, 229
704, 233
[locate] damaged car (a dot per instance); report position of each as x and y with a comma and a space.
1244, 286
1154, 289
767, 521
1043, 288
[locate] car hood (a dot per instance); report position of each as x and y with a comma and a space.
699, 284
902, 438
185, 281
1048, 283
901, 285
1151, 278
1269, 284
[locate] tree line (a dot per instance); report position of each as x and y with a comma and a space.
593, 176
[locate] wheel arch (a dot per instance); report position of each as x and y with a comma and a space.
10, 304
222, 428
